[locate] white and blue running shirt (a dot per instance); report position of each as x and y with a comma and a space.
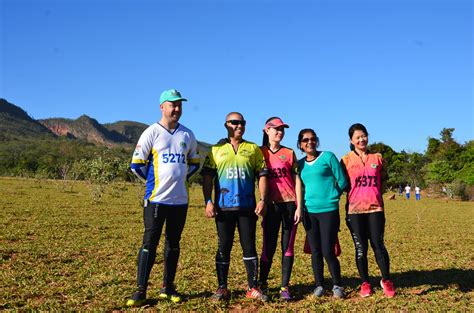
162, 158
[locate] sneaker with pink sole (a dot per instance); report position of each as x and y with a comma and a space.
388, 288
365, 290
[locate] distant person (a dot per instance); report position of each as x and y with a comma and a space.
165, 156
417, 193
407, 191
365, 215
283, 205
400, 190
232, 166
323, 182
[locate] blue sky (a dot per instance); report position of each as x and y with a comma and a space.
403, 68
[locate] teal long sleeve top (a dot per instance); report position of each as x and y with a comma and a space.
323, 182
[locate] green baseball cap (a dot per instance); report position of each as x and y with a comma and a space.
171, 95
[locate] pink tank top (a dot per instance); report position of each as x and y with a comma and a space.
365, 195
282, 166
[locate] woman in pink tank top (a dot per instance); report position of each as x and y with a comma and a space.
283, 204
365, 215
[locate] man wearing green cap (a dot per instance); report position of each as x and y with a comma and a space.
164, 158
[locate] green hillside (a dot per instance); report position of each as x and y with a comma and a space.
16, 124
128, 129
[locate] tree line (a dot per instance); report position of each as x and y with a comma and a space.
446, 164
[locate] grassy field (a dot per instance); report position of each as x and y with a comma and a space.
61, 251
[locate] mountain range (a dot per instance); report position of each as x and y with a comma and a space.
16, 124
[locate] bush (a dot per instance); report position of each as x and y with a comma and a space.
457, 189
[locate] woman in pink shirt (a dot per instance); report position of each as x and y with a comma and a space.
365, 208
283, 204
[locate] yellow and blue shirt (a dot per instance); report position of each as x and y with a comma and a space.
236, 172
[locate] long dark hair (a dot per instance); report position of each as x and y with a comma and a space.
265, 139
304, 131
353, 128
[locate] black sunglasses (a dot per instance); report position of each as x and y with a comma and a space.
237, 122
308, 139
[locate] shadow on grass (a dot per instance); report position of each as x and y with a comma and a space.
439, 279
427, 280
430, 280
204, 294
151, 302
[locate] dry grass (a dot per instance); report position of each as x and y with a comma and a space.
60, 251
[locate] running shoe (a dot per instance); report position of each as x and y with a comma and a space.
338, 292
257, 294
388, 288
365, 290
318, 291
221, 294
170, 293
285, 294
137, 299
263, 287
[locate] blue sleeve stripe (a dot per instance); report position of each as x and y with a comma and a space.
136, 165
191, 170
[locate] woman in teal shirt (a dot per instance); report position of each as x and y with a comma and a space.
323, 182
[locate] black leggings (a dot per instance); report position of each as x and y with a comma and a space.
154, 216
246, 222
284, 214
365, 227
321, 230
